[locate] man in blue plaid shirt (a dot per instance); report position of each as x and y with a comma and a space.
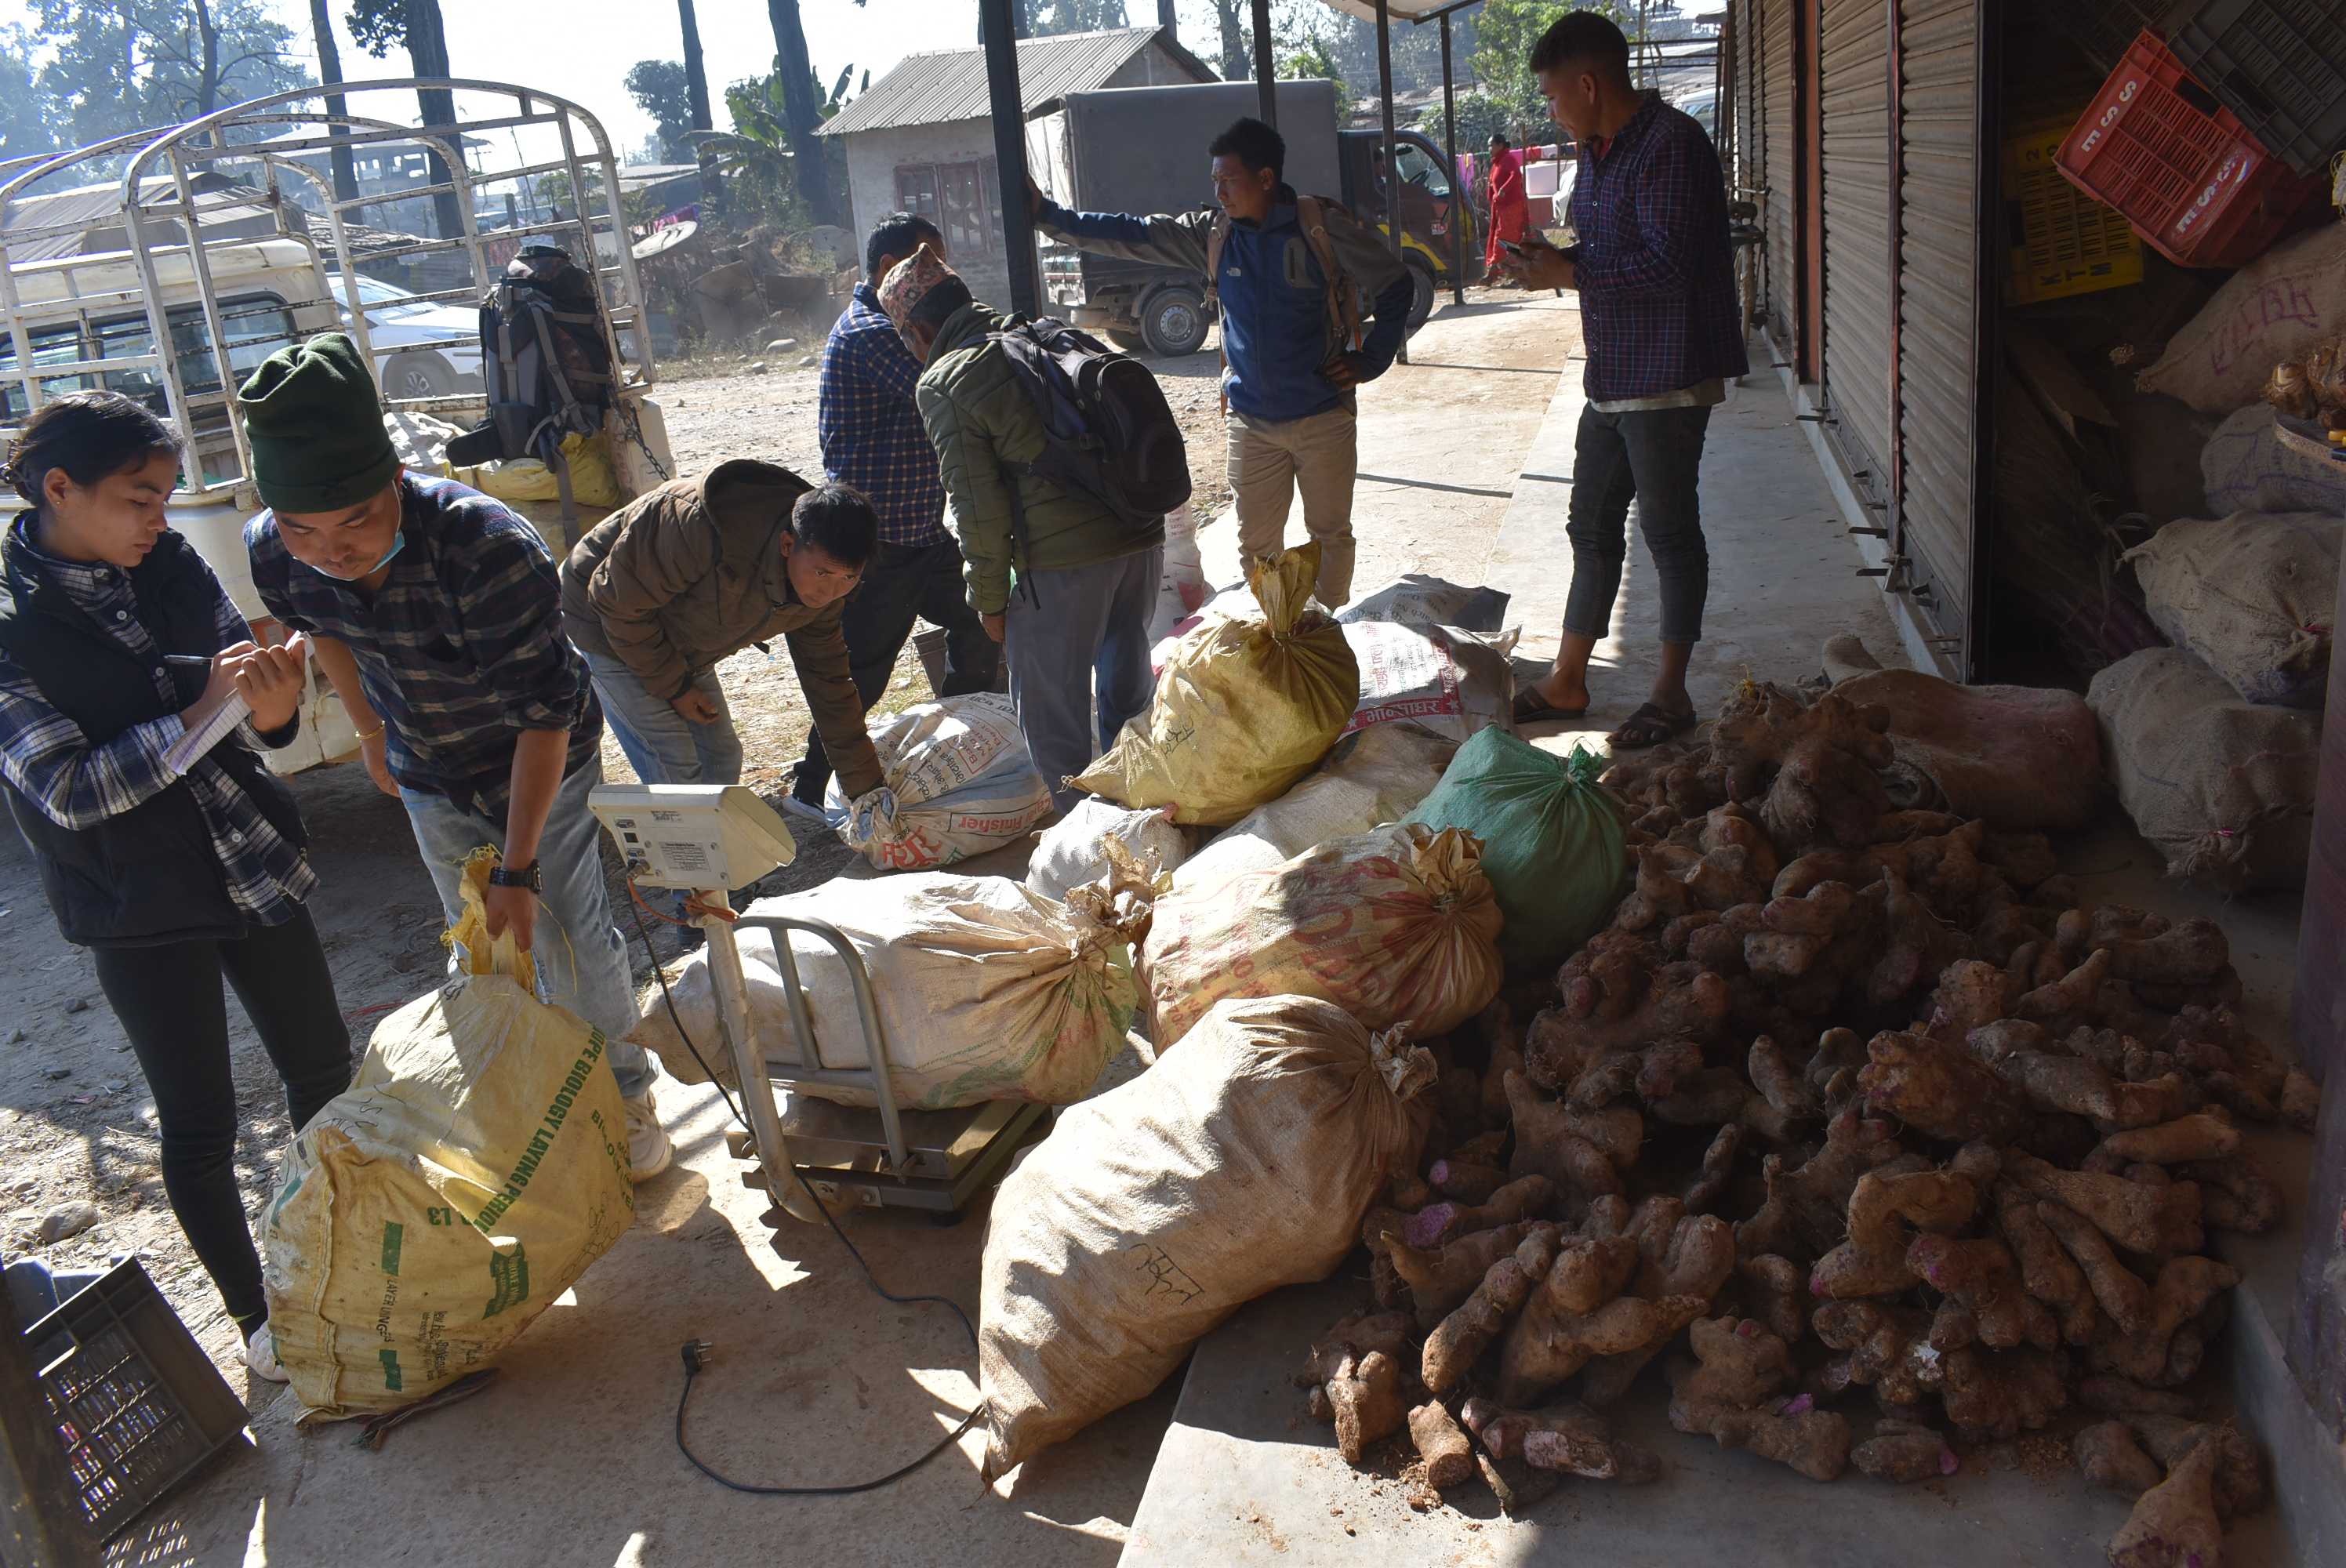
1658, 314
872, 438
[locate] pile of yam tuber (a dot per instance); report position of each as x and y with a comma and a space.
1859, 1129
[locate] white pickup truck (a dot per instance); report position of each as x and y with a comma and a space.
88, 285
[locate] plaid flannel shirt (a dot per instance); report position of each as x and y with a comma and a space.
1656, 273
460, 650
76, 785
871, 432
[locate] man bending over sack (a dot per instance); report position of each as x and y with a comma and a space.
1085, 580
699, 569
437, 615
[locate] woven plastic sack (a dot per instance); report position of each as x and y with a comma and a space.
1073, 849
1240, 1162
2254, 596
1183, 587
466, 1179
2225, 789
1396, 927
1416, 599
1554, 845
956, 781
522, 479
1450, 681
986, 990
1374, 777
1243, 708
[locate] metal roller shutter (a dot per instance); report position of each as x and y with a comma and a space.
1938, 305
1780, 158
1855, 71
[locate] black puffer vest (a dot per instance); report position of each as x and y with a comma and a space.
149, 875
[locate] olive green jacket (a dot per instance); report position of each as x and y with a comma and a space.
985, 429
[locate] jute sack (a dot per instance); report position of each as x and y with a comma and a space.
2248, 465
985, 988
2224, 788
1240, 1162
1243, 708
2254, 596
2270, 310
1398, 926
466, 1179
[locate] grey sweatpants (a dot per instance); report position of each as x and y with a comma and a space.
1066, 630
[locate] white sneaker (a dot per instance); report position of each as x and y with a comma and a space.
649, 1150
261, 1357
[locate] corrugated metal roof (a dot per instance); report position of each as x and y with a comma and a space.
950, 85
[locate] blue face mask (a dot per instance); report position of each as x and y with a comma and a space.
398, 543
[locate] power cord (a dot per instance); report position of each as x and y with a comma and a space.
697, 1352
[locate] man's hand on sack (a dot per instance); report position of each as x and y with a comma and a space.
696, 706
995, 625
1342, 373
514, 907
1539, 265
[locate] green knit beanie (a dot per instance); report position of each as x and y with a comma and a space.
315, 422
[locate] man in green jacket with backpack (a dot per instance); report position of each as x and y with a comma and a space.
1060, 580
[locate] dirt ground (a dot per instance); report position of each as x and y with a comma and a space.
75, 1120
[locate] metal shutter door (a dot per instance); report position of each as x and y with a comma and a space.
1855, 39
1780, 159
1938, 313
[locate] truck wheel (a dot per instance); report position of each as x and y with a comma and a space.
1130, 343
1174, 322
1422, 285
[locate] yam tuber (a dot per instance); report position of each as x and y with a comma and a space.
1518, 1200
1693, 1255
1904, 1452
1539, 1353
1940, 1090
1708, 1187
1465, 1181
2001, 1393
2184, 1288
1440, 1279
2236, 1194
2300, 1100
1775, 1291
1681, 1001
2119, 1292
2140, 1217
2239, 1482
1885, 1347
1981, 1275
1579, 1153
2108, 1455
1882, 1209
2116, 1395
1459, 1340
1449, 1457
2175, 1524
2202, 1136
1342, 1345
1365, 1397
2046, 1269
1739, 1365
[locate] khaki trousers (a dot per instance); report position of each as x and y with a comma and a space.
1270, 461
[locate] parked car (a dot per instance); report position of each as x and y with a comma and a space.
423, 348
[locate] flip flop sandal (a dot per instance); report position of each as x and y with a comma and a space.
1531, 707
1650, 725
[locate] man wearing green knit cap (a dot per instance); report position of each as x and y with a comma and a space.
437, 615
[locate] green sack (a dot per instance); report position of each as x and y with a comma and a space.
1554, 845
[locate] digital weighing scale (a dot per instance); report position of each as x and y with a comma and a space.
704, 838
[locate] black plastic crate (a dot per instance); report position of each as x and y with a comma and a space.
136, 1405
2106, 29
2280, 66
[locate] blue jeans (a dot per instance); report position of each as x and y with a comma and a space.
660, 743
582, 959
1077, 626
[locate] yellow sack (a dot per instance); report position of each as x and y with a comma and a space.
1398, 926
1243, 710
528, 479
434, 1209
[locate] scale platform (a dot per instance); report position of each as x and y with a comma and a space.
842, 1151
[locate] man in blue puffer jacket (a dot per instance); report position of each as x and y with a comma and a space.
1289, 272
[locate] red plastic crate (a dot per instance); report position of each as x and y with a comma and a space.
2197, 186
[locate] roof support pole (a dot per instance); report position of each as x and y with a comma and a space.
1460, 206
1391, 164
997, 28
1266, 75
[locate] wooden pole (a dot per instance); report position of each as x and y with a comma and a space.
1265, 83
997, 27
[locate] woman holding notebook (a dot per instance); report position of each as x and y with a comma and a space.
133, 702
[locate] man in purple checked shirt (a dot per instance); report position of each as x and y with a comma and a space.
1657, 309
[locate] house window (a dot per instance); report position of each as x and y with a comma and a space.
962, 199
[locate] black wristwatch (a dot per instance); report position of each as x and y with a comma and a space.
517, 877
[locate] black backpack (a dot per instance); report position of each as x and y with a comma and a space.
1108, 429
546, 360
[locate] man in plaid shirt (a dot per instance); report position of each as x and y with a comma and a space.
872, 438
1658, 315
